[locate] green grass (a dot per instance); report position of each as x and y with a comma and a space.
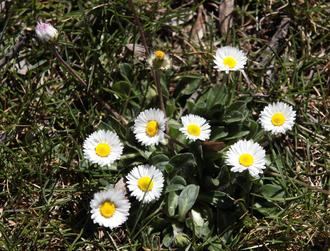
45, 115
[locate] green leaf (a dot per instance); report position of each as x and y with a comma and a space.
170, 107
235, 116
174, 187
215, 247
176, 183
238, 135
172, 203
126, 71
159, 160
270, 191
218, 133
187, 199
178, 180
167, 240
182, 240
121, 88
212, 197
216, 95
201, 226
239, 105
183, 160
192, 83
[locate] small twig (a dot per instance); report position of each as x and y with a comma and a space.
67, 66
113, 242
246, 78
116, 114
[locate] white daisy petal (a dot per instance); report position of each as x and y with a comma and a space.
145, 183
246, 155
229, 59
195, 127
277, 118
110, 208
102, 147
149, 127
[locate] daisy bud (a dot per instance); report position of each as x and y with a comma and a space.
160, 60
46, 32
181, 240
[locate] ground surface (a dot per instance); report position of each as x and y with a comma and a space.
46, 113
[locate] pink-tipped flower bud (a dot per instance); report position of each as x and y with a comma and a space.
46, 32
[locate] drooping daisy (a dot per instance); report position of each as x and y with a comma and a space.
46, 32
277, 118
229, 59
145, 183
149, 127
160, 60
246, 155
195, 127
110, 208
103, 147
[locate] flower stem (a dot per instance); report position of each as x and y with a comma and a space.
155, 72
156, 76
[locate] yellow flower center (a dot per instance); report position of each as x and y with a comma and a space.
194, 129
159, 55
145, 183
103, 149
246, 159
278, 119
152, 128
230, 61
107, 209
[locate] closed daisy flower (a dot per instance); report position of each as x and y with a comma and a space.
110, 208
103, 147
149, 127
145, 183
277, 118
46, 32
246, 155
229, 59
160, 60
195, 127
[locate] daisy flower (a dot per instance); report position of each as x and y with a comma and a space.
145, 183
246, 155
229, 59
103, 147
149, 127
160, 60
195, 127
277, 118
46, 32
109, 208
